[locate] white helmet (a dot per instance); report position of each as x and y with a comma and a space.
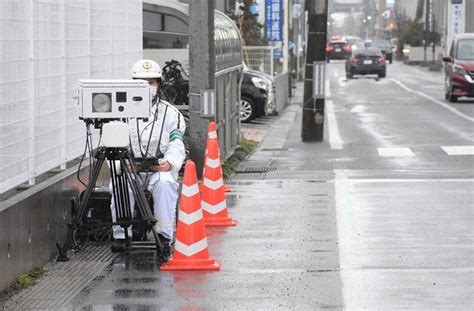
146, 69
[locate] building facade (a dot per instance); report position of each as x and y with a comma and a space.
46, 47
448, 17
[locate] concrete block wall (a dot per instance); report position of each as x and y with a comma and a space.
282, 91
33, 221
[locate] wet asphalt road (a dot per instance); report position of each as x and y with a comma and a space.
378, 216
281, 255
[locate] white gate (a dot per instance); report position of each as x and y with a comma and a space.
260, 58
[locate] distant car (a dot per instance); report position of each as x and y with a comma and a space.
459, 78
270, 107
365, 61
338, 50
353, 41
386, 47
255, 92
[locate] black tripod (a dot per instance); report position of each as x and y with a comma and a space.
121, 176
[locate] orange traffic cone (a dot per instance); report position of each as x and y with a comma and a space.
190, 252
213, 200
212, 135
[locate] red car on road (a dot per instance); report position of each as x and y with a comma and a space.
338, 50
459, 68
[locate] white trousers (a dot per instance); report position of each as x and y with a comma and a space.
164, 189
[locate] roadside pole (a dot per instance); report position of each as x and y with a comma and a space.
314, 81
286, 28
202, 74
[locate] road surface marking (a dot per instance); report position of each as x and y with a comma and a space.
395, 152
358, 109
328, 88
368, 277
458, 150
335, 139
410, 180
434, 100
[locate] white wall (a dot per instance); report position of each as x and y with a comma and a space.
165, 55
409, 6
45, 47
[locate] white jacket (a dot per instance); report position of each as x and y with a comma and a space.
144, 143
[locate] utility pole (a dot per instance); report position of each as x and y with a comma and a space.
202, 74
425, 35
314, 81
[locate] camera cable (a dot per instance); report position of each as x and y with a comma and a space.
86, 147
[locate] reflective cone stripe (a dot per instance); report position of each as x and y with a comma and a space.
214, 208
213, 200
212, 134
191, 249
213, 163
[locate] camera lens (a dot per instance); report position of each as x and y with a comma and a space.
101, 102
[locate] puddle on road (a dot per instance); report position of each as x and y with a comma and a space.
137, 276
135, 293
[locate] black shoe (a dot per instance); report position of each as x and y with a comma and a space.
166, 247
120, 246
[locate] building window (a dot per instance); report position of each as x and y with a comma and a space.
162, 31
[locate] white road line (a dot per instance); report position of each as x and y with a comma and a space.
411, 180
434, 100
358, 109
395, 152
328, 89
458, 150
335, 139
357, 276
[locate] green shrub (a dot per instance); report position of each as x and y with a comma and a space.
241, 152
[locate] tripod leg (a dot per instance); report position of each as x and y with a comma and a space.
142, 203
121, 199
77, 220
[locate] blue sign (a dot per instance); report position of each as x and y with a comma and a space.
278, 53
254, 9
274, 20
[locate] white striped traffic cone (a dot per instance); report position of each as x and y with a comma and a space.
213, 200
212, 135
191, 251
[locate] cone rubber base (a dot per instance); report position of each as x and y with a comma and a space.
220, 222
191, 265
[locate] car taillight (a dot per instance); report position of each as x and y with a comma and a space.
382, 59
353, 60
346, 48
329, 49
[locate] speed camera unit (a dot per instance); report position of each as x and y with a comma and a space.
113, 99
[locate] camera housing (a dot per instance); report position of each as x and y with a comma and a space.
113, 99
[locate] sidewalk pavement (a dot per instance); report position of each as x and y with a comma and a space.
283, 254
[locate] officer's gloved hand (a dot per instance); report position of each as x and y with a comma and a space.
164, 166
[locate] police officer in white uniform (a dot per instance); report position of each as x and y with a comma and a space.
161, 137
